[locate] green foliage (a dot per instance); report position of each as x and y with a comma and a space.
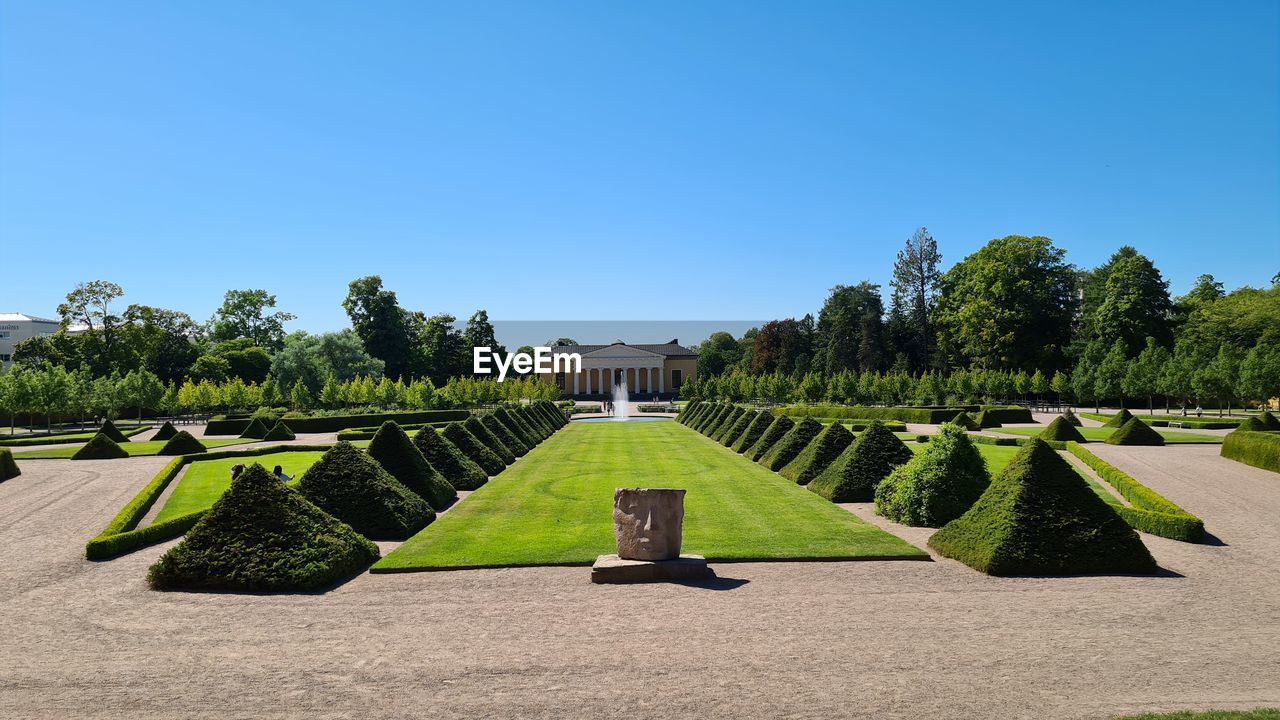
726, 424
790, 445
1269, 421
1070, 416
471, 446
1039, 517
8, 468
986, 419
1003, 415
1259, 449
924, 416
263, 536
965, 421
713, 420
818, 454
396, 453
1135, 432
1149, 511
760, 422
256, 430
100, 447
482, 432
1252, 424
334, 423
730, 436
461, 472
535, 421
517, 427
854, 475
936, 486
770, 437
182, 444
1061, 430
279, 431
1118, 419
689, 411
166, 431
503, 433
110, 430
353, 487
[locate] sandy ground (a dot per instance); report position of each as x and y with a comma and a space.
871, 639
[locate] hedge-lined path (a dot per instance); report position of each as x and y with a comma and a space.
878, 639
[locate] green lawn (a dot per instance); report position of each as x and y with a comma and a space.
555, 506
133, 448
204, 481
1098, 434
998, 456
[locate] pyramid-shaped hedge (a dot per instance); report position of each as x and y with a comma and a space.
1041, 518
818, 454
1135, 432
8, 468
726, 424
694, 412
490, 440
471, 446
739, 426
936, 486
688, 411
100, 447
263, 536
1070, 417
760, 421
1061, 430
787, 448
1269, 421
538, 423
986, 420
552, 412
182, 444
445, 457
965, 421
713, 419
1252, 424
777, 430
1119, 419
166, 431
396, 453
854, 475
517, 427
256, 430
280, 431
111, 431
701, 414
497, 429
353, 487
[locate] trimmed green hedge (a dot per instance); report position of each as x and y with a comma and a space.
166, 431
335, 423
1150, 512
122, 534
396, 453
279, 431
110, 430
367, 433
182, 444
257, 430
486, 432
925, 416
8, 468
1005, 414
791, 444
354, 488
1259, 449
770, 437
471, 446
459, 470
66, 438
100, 447
1190, 423
817, 455
1135, 432
760, 421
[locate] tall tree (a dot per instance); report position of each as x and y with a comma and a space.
1009, 305
89, 305
850, 331
443, 350
387, 330
915, 297
1142, 377
1135, 304
480, 333
717, 353
783, 346
243, 315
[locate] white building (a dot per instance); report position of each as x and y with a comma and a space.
16, 327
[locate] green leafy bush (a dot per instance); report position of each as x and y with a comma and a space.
775, 432
1149, 511
262, 536
760, 421
1005, 414
8, 468
353, 487
730, 436
182, 444
1252, 424
111, 431
257, 430
334, 423
688, 411
936, 486
1269, 421
818, 454
1135, 432
1259, 449
986, 419
471, 446
713, 421
490, 440
461, 472
498, 429
100, 447
517, 428
922, 415
965, 421
522, 424
396, 453
790, 445
279, 431
166, 431
726, 424
553, 412
1041, 518
533, 420
1119, 419
854, 475
1061, 430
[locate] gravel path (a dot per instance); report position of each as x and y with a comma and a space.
863, 639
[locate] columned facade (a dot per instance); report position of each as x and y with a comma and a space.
649, 370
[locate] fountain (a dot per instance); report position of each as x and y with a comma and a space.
621, 407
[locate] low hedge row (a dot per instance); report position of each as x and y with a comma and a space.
1164, 420
62, 438
367, 433
335, 423
1005, 414
122, 534
924, 416
1259, 449
1151, 512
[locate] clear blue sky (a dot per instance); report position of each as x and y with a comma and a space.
699, 160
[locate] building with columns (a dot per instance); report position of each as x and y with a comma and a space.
649, 369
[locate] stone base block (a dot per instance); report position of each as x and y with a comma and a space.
613, 569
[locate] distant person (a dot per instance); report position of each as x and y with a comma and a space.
279, 473
1199, 411
236, 470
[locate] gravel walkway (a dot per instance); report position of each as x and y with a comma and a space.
863, 639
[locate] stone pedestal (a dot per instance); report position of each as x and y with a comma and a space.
614, 570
